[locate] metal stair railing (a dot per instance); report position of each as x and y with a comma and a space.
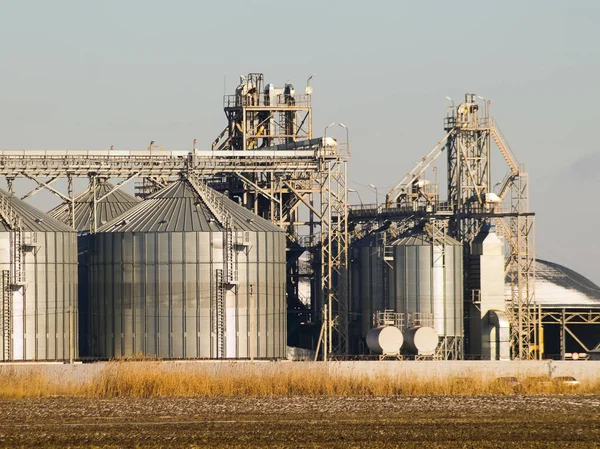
504, 149
212, 200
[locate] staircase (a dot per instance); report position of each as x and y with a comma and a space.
504, 150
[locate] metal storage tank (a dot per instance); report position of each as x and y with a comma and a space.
420, 340
427, 281
168, 279
111, 205
412, 276
38, 286
367, 284
385, 340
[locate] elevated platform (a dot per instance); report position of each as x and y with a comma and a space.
288, 158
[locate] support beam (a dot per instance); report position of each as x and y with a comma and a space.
38, 188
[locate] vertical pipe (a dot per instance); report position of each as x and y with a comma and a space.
70, 331
71, 200
562, 335
326, 319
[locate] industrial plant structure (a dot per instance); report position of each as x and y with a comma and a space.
456, 272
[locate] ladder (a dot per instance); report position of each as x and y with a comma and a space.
6, 314
219, 313
13, 221
231, 274
17, 257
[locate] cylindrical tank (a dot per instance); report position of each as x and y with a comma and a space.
427, 280
420, 340
415, 275
367, 277
168, 280
111, 205
38, 285
385, 340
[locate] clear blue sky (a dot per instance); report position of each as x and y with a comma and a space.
82, 74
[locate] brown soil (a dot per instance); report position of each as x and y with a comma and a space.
345, 422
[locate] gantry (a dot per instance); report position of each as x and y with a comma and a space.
471, 202
265, 159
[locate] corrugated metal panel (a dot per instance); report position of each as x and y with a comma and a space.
155, 293
417, 282
109, 208
39, 322
177, 208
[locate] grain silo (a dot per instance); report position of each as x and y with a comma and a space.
110, 203
38, 266
427, 281
413, 276
188, 274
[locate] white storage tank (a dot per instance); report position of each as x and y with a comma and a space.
385, 340
420, 340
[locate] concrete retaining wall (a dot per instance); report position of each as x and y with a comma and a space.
581, 370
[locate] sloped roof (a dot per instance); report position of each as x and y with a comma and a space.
109, 208
178, 208
558, 286
32, 219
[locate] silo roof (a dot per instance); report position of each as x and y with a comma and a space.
422, 239
178, 208
32, 219
109, 208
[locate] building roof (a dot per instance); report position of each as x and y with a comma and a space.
32, 219
109, 208
178, 208
557, 286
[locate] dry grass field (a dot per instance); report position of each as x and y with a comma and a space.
121, 379
150, 407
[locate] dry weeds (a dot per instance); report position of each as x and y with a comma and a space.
122, 380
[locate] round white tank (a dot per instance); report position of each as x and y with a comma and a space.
385, 340
420, 340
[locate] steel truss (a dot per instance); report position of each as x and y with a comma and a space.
565, 319
471, 202
266, 159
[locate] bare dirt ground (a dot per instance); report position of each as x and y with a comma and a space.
405, 422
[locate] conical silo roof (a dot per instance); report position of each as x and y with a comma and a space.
109, 208
32, 219
420, 237
178, 208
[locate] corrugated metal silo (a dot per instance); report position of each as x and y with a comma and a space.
109, 207
169, 280
111, 204
411, 276
38, 266
427, 279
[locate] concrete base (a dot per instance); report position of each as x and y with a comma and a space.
581, 370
